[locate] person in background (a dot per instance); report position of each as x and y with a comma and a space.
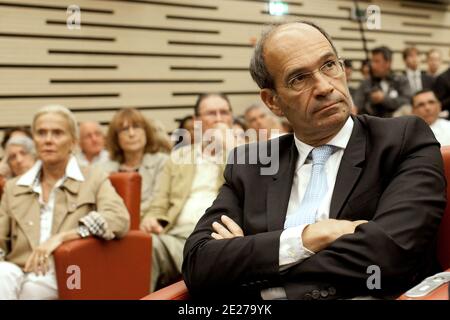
441, 88
20, 154
348, 68
434, 62
417, 79
184, 135
5, 170
92, 144
162, 139
239, 128
384, 92
38, 211
266, 126
426, 106
133, 146
365, 69
187, 186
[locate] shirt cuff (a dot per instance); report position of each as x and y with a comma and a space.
291, 246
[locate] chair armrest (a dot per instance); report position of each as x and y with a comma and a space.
440, 293
115, 269
176, 291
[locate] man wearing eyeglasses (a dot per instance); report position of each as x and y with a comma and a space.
354, 208
187, 186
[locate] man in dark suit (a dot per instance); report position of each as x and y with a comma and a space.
359, 219
418, 79
442, 90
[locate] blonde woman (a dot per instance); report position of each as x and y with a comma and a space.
53, 202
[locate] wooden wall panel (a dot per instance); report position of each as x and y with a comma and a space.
157, 55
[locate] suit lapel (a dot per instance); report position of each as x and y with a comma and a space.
279, 189
349, 169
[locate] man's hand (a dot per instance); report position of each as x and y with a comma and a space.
229, 230
319, 235
38, 262
377, 96
151, 225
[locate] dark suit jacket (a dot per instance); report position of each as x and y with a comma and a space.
427, 80
441, 88
391, 174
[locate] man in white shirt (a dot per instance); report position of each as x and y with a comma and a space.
426, 106
352, 194
92, 144
418, 80
187, 186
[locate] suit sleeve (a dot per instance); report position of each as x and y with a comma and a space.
399, 239
242, 260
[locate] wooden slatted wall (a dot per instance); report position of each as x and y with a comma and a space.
158, 55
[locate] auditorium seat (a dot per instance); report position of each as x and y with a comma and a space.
116, 269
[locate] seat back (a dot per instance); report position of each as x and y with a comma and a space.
444, 230
128, 186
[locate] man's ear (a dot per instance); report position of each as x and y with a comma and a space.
270, 98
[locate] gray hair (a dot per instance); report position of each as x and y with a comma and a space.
26, 143
258, 69
61, 110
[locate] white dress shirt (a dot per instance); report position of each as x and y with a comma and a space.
203, 190
292, 250
414, 79
441, 130
32, 179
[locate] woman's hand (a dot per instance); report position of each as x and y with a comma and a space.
38, 262
151, 225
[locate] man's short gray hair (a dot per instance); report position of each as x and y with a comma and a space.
61, 110
26, 143
258, 69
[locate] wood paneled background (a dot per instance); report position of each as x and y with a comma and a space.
158, 55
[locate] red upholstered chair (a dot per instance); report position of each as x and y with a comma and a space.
443, 252
116, 269
176, 291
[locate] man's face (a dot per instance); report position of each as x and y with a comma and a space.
427, 106
258, 119
324, 107
380, 67
412, 60
19, 159
214, 110
434, 61
92, 140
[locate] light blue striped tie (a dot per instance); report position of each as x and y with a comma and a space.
315, 191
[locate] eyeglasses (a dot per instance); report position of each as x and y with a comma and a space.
126, 129
304, 81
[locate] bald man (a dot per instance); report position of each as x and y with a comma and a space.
92, 144
356, 198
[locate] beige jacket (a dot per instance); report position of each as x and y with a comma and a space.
174, 186
152, 165
20, 212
